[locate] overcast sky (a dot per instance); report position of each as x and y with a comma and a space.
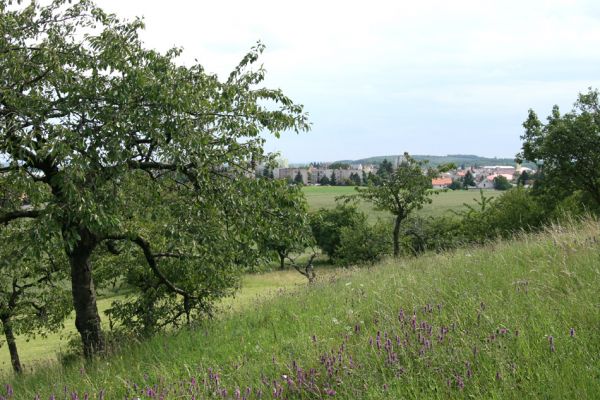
384, 77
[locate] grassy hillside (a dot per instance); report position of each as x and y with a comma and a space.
515, 319
43, 350
324, 197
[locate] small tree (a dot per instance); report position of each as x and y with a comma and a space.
566, 149
332, 179
327, 225
289, 230
402, 191
468, 180
32, 298
298, 178
523, 179
355, 178
455, 185
324, 181
501, 183
385, 169
267, 172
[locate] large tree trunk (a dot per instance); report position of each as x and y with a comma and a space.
87, 318
12, 344
397, 236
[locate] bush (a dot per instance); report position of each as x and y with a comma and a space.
363, 243
327, 225
515, 210
431, 234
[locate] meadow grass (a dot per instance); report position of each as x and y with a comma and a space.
34, 351
514, 319
443, 202
43, 350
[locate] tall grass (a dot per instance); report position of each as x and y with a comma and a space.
514, 319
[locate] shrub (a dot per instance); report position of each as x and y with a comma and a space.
327, 225
433, 233
515, 210
363, 243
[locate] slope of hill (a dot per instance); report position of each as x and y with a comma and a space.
515, 319
458, 159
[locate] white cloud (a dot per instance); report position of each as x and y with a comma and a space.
367, 69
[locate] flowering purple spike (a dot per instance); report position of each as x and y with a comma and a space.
551, 341
498, 376
572, 332
459, 382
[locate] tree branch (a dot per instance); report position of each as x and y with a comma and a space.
151, 259
11, 216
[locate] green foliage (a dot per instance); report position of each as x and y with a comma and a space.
524, 178
355, 179
566, 147
33, 297
468, 179
456, 185
501, 183
288, 230
120, 147
419, 234
327, 226
405, 189
298, 179
384, 170
324, 181
363, 243
339, 165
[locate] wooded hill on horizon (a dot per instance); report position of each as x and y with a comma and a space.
458, 159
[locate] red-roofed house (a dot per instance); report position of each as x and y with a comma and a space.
441, 183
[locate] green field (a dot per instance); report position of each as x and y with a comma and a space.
443, 202
512, 320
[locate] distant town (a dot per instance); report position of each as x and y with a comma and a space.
341, 173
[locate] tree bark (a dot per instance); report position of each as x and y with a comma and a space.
397, 236
281, 260
87, 318
12, 344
